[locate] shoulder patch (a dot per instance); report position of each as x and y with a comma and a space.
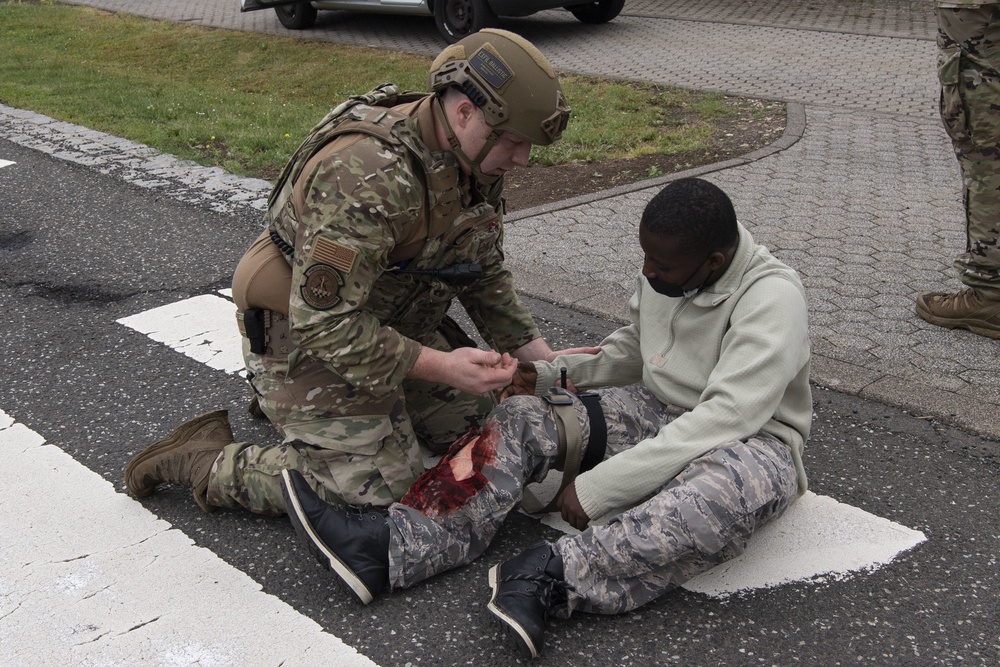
321, 287
334, 254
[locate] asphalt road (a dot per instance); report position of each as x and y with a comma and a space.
80, 250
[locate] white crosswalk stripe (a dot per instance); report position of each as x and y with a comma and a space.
90, 577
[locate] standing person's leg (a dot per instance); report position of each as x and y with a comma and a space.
979, 266
969, 71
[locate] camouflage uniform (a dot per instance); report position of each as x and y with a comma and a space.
368, 199
702, 517
969, 70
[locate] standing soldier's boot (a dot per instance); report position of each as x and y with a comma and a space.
969, 309
184, 458
526, 590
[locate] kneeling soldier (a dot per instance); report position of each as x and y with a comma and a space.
389, 210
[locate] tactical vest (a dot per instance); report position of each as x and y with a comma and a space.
372, 114
449, 235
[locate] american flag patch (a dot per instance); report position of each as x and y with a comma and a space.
334, 254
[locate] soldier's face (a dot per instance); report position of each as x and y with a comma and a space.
510, 150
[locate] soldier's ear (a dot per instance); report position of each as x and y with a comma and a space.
465, 112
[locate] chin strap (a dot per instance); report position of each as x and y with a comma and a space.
474, 164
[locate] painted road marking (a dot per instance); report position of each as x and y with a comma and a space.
89, 576
202, 328
6, 163
817, 538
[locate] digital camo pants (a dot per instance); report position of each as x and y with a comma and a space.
969, 71
700, 519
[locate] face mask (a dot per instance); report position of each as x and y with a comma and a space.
674, 290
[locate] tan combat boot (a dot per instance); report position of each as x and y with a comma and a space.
968, 309
185, 458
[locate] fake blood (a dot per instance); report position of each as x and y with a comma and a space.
452, 482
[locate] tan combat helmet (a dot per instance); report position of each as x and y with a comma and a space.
509, 79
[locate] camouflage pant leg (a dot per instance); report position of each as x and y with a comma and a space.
702, 518
451, 514
442, 414
248, 475
350, 446
633, 414
969, 71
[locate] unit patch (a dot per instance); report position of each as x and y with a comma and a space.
321, 286
338, 256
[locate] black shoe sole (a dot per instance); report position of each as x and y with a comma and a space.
324, 556
509, 626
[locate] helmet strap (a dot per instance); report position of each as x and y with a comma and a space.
475, 165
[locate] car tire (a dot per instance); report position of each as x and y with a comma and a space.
296, 17
457, 19
601, 11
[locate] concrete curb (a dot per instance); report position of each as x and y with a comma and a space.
795, 125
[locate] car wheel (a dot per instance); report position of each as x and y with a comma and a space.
296, 17
460, 18
601, 11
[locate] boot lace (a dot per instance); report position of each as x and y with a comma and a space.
361, 511
550, 591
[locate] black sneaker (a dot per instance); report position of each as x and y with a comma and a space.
526, 589
353, 543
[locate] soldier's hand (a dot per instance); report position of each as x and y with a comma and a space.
480, 371
523, 382
465, 368
570, 509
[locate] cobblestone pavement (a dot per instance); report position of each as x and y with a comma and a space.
861, 194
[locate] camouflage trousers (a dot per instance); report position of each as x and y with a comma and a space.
701, 518
351, 447
969, 70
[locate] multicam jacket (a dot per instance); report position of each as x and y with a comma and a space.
367, 203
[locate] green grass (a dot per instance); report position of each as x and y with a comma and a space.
244, 101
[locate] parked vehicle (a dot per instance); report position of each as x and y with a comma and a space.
455, 18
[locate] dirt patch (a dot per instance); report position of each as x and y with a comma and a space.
757, 125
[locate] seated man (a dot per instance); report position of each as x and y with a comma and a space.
706, 407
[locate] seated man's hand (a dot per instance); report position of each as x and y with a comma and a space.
571, 510
523, 382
